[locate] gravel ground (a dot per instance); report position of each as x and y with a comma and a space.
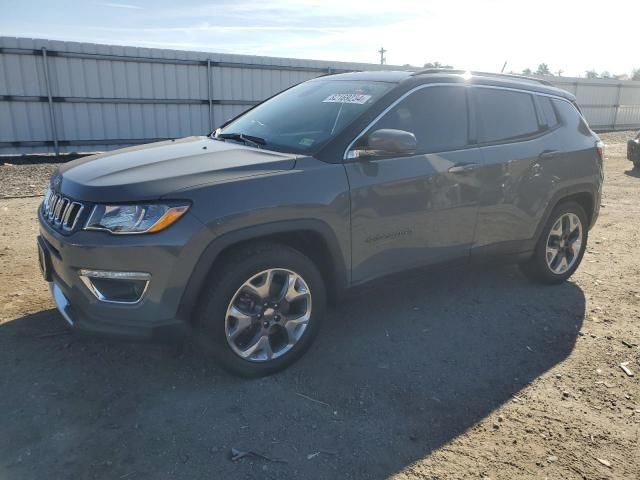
27, 175
467, 373
24, 180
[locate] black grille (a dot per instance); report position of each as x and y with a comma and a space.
61, 212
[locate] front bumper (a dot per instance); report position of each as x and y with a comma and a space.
80, 322
62, 304
169, 256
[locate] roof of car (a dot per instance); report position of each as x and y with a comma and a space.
455, 76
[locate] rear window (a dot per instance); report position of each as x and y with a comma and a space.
504, 115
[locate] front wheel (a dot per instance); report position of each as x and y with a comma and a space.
263, 311
561, 246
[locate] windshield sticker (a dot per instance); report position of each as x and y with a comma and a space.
357, 98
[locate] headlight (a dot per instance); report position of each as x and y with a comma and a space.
127, 219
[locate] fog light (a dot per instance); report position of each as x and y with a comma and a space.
116, 287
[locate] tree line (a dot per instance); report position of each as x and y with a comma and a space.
544, 70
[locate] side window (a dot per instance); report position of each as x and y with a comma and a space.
437, 116
504, 115
548, 112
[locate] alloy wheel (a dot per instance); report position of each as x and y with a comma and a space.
564, 243
268, 315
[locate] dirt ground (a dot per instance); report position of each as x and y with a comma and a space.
466, 373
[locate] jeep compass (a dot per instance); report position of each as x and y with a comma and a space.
240, 237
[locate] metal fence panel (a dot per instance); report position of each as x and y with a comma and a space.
105, 97
628, 117
630, 95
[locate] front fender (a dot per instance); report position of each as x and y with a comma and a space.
213, 252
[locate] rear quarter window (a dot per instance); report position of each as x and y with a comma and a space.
504, 115
569, 116
548, 111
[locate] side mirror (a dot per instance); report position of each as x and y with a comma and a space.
385, 142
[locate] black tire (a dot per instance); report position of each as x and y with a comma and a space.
238, 268
536, 267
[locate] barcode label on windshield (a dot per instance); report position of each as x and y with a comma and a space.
347, 98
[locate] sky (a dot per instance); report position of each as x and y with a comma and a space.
568, 35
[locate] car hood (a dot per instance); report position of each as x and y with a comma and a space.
149, 172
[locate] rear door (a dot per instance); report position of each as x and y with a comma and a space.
514, 143
417, 209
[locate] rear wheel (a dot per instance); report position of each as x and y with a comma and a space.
263, 311
561, 245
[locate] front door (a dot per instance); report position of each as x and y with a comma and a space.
419, 209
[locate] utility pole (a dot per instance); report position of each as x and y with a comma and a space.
382, 51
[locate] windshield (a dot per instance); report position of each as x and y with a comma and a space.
305, 117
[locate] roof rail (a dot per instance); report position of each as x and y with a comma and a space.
483, 74
438, 70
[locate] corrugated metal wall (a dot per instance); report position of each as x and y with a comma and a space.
105, 97
607, 104
86, 97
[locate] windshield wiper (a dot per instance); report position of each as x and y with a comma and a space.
247, 139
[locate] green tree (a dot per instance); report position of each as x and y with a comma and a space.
436, 65
605, 74
635, 74
543, 69
591, 74
527, 71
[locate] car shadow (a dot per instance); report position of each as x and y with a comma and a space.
634, 172
398, 370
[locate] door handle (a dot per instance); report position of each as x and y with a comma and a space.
548, 154
463, 167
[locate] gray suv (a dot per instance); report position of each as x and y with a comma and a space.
240, 237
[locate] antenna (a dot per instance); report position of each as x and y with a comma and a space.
504, 66
382, 51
